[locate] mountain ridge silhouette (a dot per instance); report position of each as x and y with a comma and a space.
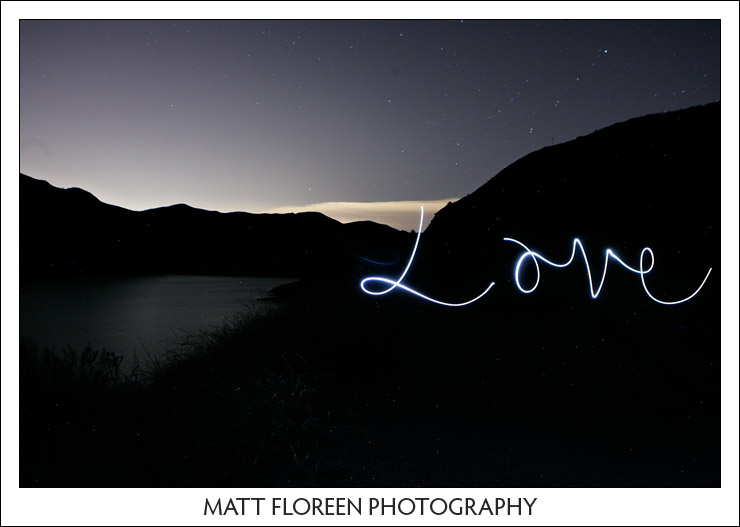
69, 232
633, 184
652, 181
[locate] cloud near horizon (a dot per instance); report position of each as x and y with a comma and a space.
402, 215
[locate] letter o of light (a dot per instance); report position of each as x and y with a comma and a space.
518, 266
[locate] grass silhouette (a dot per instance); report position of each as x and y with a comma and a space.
227, 406
346, 392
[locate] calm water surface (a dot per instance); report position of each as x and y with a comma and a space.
142, 317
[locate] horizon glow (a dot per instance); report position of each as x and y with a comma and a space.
401, 215
534, 256
251, 115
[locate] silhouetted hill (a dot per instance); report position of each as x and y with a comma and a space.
69, 232
558, 356
551, 388
651, 181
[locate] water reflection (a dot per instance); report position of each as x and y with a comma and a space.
141, 317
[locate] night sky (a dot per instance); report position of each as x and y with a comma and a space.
289, 115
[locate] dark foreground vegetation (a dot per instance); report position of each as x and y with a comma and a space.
393, 393
338, 388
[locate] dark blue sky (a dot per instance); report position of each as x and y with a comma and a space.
254, 115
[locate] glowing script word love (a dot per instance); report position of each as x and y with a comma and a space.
390, 285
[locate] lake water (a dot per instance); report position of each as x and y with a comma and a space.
139, 317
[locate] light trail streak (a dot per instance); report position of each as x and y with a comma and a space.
535, 257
